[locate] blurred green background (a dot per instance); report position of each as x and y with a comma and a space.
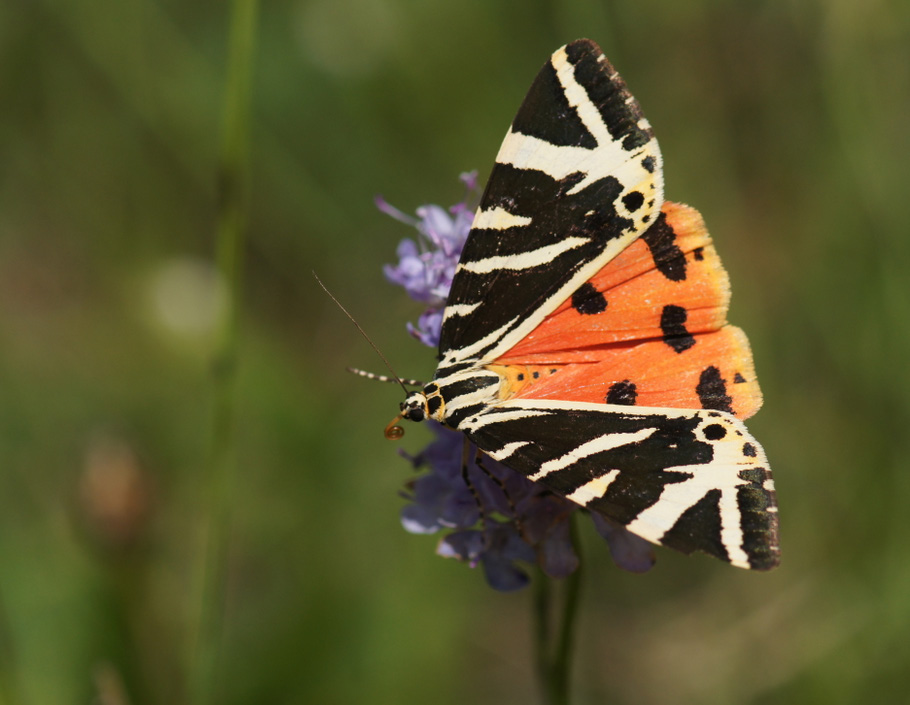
784, 122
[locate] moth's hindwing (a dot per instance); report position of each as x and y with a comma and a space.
693, 480
648, 329
577, 179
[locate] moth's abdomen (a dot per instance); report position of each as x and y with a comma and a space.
518, 378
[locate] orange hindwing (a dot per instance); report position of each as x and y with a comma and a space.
649, 329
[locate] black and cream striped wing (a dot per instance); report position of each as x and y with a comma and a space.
577, 179
692, 480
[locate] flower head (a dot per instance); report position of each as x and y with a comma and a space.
495, 517
426, 264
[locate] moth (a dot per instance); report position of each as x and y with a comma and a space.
584, 342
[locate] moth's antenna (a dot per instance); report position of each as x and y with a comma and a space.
395, 377
384, 378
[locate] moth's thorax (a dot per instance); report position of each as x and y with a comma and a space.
449, 398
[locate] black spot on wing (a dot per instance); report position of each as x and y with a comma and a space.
712, 390
715, 432
633, 201
588, 301
624, 393
649, 163
673, 326
749, 450
698, 253
667, 255
698, 529
738, 378
754, 476
547, 115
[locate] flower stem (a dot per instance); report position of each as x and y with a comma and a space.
233, 197
554, 646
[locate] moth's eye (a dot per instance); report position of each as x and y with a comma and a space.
415, 413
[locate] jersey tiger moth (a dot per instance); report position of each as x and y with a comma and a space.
584, 341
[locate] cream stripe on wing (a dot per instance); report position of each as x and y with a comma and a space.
595, 489
608, 441
498, 219
523, 260
506, 450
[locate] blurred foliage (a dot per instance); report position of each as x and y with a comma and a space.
783, 121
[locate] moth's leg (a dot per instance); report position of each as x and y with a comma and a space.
478, 460
513, 511
465, 463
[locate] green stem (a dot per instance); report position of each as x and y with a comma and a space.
543, 595
233, 199
554, 660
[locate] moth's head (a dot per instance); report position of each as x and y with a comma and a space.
413, 408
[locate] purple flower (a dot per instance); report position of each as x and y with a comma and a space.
428, 327
537, 526
427, 263
630, 552
498, 518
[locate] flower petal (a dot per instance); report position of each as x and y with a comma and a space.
629, 552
